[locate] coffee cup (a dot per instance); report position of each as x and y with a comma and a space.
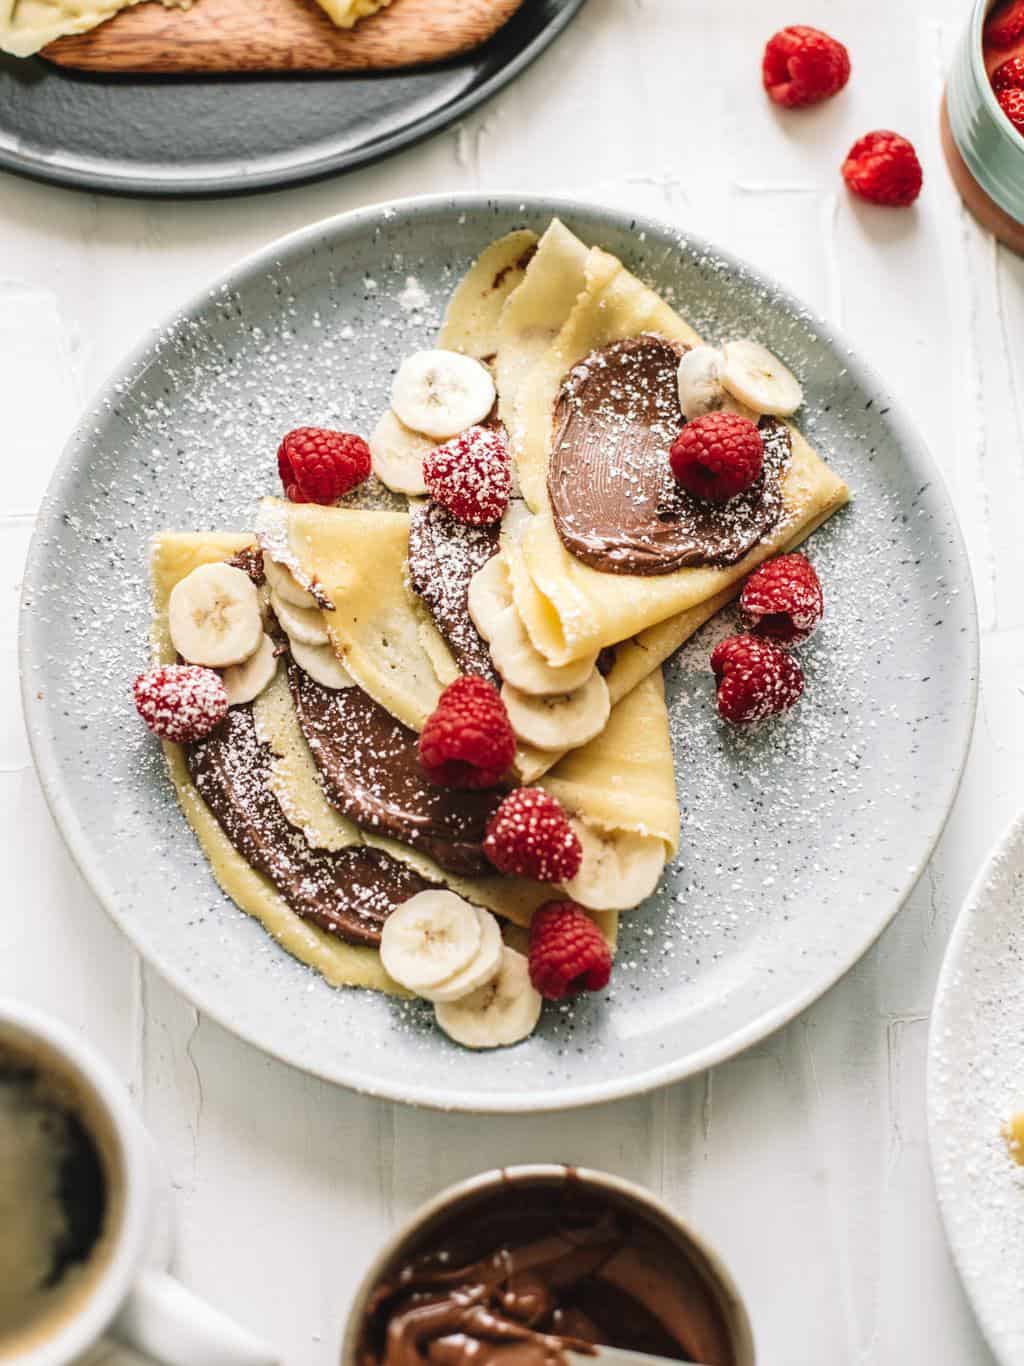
82, 1211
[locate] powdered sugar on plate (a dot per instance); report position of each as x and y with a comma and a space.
799, 841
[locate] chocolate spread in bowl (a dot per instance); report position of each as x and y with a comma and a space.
347, 892
444, 554
616, 505
531, 1272
370, 770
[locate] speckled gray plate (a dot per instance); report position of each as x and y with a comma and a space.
215, 135
975, 1080
799, 843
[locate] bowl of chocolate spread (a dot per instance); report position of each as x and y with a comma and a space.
520, 1266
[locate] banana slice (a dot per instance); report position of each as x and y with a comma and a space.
304, 624
490, 593
618, 871
244, 682
700, 381
322, 665
515, 658
503, 1012
493, 613
481, 969
759, 379
441, 393
429, 938
214, 616
285, 586
561, 722
398, 454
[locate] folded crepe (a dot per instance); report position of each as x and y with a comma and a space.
478, 301
384, 634
572, 302
624, 780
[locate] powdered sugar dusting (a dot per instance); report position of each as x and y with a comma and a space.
348, 892
616, 504
180, 702
444, 554
798, 841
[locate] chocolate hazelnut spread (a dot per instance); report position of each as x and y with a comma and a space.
250, 561
519, 264
616, 505
347, 892
444, 554
370, 770
536, 1272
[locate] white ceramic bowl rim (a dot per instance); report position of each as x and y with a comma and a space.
413, 1090
993, 1329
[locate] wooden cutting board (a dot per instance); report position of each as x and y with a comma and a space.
280, 35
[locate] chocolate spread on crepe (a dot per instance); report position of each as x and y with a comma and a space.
347, 892
533, 1274
444, 554
370, 769
616, 505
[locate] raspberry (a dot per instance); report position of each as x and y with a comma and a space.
530, 836
468, 742
1006, 26
717, 456
756, 679
471, 475
804, 66
319, 466
783, 600
180, 702
1009, 76
1012, 104
883, 168
568, 953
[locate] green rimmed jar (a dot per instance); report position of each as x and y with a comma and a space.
984, 151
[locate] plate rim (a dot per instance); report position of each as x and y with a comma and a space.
966, 920
137, 186
487, 204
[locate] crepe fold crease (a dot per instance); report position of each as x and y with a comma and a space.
569, 609
624, 780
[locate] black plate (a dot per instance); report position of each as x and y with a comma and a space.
213, 135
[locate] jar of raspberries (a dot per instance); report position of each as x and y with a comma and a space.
983, 118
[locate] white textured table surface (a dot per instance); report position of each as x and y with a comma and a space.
805, 1161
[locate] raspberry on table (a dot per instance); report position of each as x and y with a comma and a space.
717, 456
530, 836
181, 702
883, 168
757, 679
782, 600
468, 741
1005, 25
471, 475
321, 466
803, 65
568, 953
1009, 76
1012, 104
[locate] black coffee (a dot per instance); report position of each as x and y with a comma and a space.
53, 1198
